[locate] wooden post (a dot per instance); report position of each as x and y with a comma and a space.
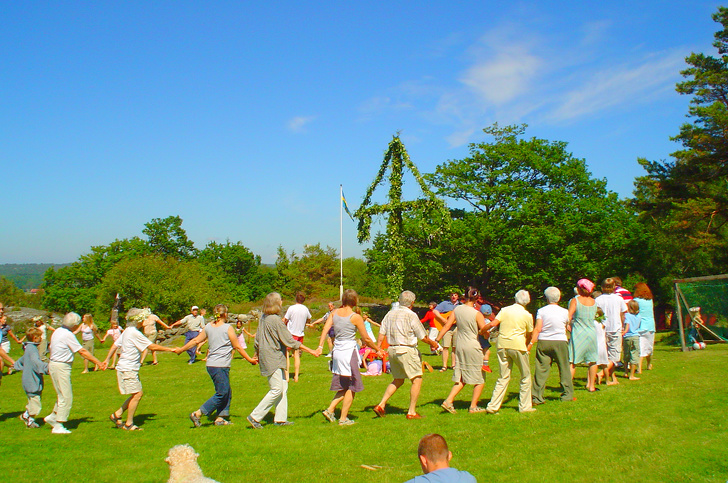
680, 318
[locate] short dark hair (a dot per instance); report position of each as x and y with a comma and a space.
433, 447
300, 298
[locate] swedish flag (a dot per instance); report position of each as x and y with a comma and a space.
346, 208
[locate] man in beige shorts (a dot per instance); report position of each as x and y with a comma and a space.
402, 329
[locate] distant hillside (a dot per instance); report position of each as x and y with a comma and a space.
27, 275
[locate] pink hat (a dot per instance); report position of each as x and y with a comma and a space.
586, 284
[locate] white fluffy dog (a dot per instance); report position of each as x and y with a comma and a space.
183, 467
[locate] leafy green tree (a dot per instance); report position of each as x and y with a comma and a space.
167, 285
683, 202
168, 238
237, 270
315, 271
75, 287
535, 217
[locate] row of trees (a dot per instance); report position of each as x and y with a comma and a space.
524, 213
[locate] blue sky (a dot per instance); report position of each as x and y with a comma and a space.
244, 118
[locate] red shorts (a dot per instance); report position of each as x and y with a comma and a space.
297, 338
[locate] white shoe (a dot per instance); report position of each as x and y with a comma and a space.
60, 429
51, 419
328, 355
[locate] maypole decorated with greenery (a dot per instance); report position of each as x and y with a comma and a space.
429, 207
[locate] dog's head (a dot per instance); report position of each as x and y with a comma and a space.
180, 454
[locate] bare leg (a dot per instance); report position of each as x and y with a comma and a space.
611, 377
414, 394
288, 364
338, 397
573, 371
591, 377
296, 364
348, 399
477, 391
456, 388
445, 357
391, 389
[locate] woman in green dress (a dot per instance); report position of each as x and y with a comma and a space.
583, 341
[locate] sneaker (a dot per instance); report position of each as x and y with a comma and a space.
490, 411
60, 429
255, 424
346, 422
32, 424
379, 411
25, 417
529, 410
328, 355
283, 423
51, 419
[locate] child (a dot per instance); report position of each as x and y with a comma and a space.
115, 333
33, 369
7, 331
631, 340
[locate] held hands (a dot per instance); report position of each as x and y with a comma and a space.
177, 350
253, 361
104, 365
317, 352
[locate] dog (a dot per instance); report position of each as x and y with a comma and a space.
183, 467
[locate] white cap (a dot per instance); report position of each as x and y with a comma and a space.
194, 307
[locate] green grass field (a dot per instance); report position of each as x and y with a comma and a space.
669, 426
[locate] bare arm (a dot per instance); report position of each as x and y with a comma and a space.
111, 353
238, 347
19, 341
90, 357
449, 323
359, 323
536, 330
202, 337
325, 331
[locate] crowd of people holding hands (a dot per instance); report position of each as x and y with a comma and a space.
604, 331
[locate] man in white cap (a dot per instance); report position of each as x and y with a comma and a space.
194, 323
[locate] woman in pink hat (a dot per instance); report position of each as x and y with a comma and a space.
583, 342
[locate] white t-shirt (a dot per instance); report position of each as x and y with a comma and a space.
297, 315
613, 306
554, 320
63, 345
132, 343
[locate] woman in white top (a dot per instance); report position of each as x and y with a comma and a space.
89, 332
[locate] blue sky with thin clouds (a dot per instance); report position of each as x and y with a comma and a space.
243, 118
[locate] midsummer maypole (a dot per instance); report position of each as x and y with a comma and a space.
397, 159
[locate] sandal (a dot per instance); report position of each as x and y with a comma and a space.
448, 407
133, 427
476, 409
222, 422
195, 420
444, 369
116, 420
328, 415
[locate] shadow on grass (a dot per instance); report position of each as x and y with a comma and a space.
74, 423
13, 415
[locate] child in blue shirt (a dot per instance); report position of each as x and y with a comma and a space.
33, 369
631, 340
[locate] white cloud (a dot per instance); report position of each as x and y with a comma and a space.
298, 123
620, 86
505, 77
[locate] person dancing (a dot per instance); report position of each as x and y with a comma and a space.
346, 378
221, 343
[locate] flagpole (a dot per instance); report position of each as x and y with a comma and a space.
341, 240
